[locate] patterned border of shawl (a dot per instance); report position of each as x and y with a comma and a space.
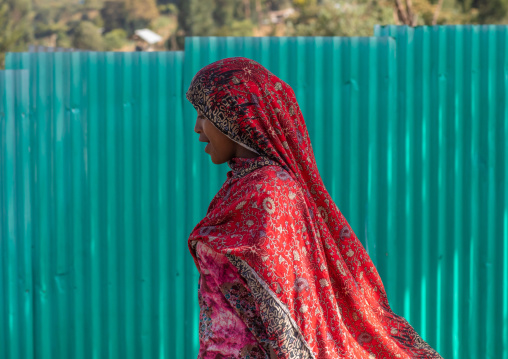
274, 313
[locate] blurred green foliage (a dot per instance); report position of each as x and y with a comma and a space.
339, 18
110, 24
88, 36
115, 39
16, 29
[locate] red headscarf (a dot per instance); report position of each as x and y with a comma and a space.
278, 225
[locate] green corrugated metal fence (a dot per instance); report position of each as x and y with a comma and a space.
107, 164
16, 230
452, 87
102, 179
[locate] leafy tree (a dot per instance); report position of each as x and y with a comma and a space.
237, 28
424, 12
128, 14
140, 13
42, 29
115, 39
224, 13
15, 26
63, 40
142, 9
114, 14
195, 18
168, 9
166, 2
87, 36
338, 18
97, 4
273, 5
489, 11
303, 3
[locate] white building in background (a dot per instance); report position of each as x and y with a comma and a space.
145, 39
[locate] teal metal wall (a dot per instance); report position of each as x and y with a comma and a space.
16, 229
110, 271
102, 180
452, 109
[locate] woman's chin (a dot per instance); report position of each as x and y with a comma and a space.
216, 161
212, 157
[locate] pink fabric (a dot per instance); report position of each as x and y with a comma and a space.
222, 332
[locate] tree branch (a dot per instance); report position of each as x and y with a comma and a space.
410, 14
401, 12
436, 13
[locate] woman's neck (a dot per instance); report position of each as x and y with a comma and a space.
243, 152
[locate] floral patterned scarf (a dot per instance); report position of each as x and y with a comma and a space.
315, 287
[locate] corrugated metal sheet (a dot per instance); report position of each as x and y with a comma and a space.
119, 180
452, 111
16, 232
110, 271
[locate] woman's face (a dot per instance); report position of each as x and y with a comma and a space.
220, 147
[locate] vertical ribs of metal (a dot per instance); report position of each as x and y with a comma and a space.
457, 78
16, 205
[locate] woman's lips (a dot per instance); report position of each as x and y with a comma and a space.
207, 145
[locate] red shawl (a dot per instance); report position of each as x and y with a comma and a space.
316, 290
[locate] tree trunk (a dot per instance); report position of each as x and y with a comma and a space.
258, 11
401, 12
246, 3
436, 13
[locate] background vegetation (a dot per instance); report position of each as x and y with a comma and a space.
108, 25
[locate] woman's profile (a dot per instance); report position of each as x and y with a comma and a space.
282, 274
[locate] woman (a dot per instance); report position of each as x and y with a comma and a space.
282, 275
